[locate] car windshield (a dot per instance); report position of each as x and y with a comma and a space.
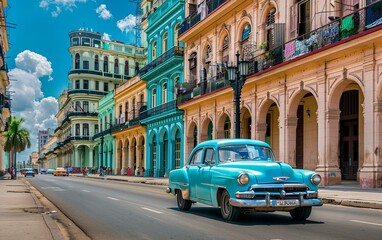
245, 153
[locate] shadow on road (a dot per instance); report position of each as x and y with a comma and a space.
247, 219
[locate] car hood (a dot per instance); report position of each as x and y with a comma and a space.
267, 172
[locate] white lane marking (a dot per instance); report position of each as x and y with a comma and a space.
370, 223
115, 199
85, 190
151, 210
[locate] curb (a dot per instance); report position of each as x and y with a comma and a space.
49, 222
352, 203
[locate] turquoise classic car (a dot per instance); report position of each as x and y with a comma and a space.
242, 175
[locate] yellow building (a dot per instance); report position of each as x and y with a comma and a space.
314, 88
130, 136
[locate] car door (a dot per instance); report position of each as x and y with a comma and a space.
193, 169
204, 175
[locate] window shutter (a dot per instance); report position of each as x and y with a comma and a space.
293, 20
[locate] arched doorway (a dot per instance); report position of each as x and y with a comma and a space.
164, 156
133, 155
206, 132
267, 128
349, 130
178, 149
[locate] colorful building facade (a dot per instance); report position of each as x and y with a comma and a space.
313, 90
130, 134
98, 67
163, 74
106, 145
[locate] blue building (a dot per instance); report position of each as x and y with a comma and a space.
163, 74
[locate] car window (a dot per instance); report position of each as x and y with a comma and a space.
209, 156
245, 153
196, 158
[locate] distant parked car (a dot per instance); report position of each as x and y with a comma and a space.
242, 175
29, 172
43, 171
60, 171
50, 171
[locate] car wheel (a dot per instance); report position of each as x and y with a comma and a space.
183, 204
301, 213
229, 212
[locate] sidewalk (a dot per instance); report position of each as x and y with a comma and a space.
347, 194
22, 215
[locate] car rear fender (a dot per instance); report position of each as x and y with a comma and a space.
178, 180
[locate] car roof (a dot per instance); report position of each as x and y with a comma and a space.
233, 141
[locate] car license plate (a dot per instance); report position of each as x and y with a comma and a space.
289, 202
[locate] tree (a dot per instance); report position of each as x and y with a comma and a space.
17, 140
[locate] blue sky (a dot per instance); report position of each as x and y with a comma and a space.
38, 59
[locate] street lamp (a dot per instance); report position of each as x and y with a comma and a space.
237, 76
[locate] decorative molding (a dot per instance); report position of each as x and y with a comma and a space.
314, 88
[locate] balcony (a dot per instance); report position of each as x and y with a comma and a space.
362, 22
175, 53
86, 91
134, 118
81, 138
98, 73
191, 20
82, 114
159, 109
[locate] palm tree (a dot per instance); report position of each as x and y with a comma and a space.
17, 140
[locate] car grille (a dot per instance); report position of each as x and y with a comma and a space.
279, 191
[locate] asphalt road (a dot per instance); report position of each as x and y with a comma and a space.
120, 210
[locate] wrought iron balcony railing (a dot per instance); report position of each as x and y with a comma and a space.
175, 51
159, 109
98, 73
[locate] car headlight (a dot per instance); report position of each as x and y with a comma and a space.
243, 178
315, 179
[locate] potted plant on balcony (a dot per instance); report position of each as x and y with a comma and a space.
263, 45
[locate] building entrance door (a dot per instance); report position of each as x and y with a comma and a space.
349, 150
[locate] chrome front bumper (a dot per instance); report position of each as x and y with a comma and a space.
251, 203
275, 203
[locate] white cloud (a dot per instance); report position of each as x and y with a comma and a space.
103, 12
106, 36
58, 5
127, 24
34, 63
27, 98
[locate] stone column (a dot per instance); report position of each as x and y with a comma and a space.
91, 148
76, 156
123, 160
328, 146
261, 129
290, 140
370, 171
